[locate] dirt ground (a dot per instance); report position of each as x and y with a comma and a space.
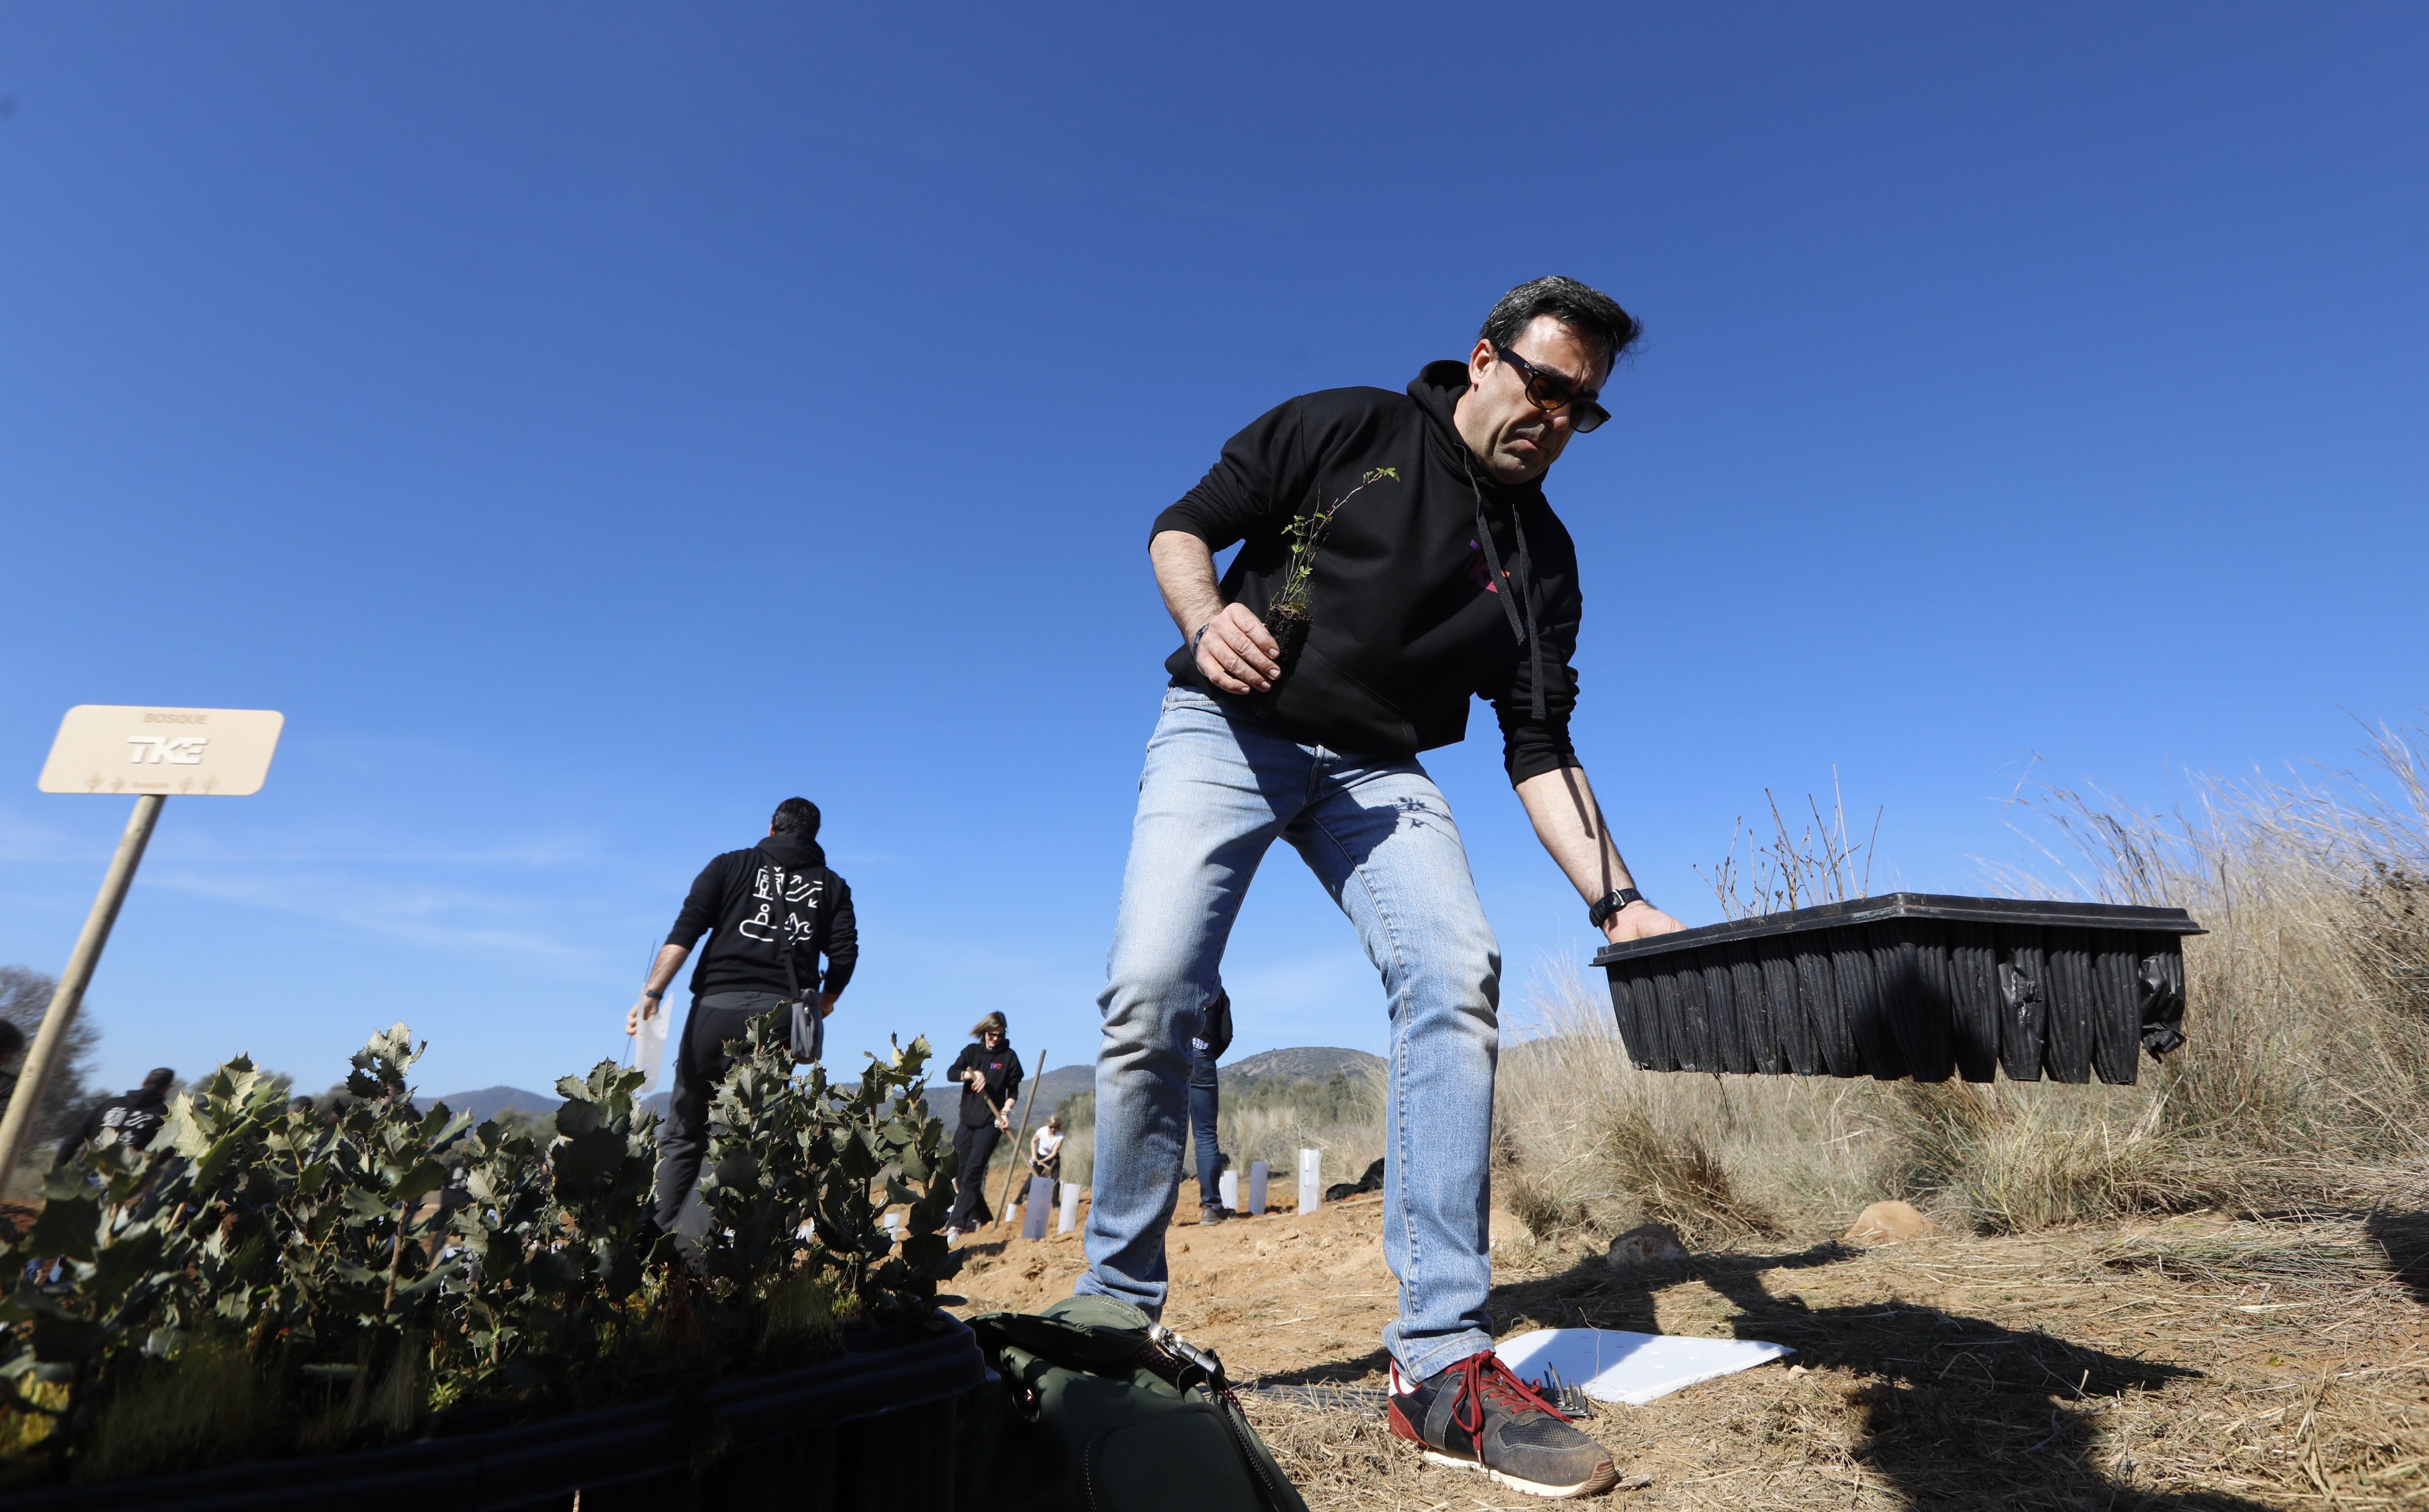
2203, 1362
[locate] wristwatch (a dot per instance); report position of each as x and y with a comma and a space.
659, 993
1612, 903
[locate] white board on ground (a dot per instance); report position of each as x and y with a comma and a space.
1227, 1188
186, 753
1070, 1216
1311, 1180
1611, 1365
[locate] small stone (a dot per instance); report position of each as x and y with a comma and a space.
1646, 1244
1889, 1223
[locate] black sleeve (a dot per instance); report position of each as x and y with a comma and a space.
1011, 1078
960, 1063
1529, 746
701, 906
1256, 484
87, 1130
1218, 1033
843, 940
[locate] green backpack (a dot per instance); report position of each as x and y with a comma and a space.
1099, 1410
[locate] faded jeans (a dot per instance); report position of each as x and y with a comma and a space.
1217, 790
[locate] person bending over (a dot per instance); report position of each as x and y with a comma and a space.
1406, 540
1046, 1150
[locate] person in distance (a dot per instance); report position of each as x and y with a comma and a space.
135, 1115
770, 913
989, 1071
1206, 1047
1397, 557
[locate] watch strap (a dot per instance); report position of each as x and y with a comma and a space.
1611, 903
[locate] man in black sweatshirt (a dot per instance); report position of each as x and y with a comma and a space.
775, 910
136, 1115
1401, 546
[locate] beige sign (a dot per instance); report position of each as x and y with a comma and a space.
184, 753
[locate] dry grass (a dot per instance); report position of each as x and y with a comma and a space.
2306, 1081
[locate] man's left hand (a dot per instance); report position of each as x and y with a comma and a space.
826, 1004
1639, 921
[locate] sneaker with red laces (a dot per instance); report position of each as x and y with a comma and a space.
1478, 1415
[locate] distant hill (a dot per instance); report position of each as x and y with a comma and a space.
490, 1101
1313, 1063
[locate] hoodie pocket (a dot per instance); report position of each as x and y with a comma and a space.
1354, 718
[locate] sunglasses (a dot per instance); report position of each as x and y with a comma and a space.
1550, 390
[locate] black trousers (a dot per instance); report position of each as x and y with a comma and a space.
972, 1150
700, 1060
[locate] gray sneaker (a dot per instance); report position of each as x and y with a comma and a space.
1478, 1415
1215, 1214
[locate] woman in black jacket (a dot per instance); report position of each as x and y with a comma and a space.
989, 1071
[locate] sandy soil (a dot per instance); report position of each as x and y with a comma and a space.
2198, 1363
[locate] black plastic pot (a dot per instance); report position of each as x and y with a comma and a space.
872, 1430
1910, 985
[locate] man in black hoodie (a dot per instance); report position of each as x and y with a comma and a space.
136, 1115
774, 910
1405, 539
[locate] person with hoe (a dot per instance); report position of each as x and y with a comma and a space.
770, 912
989, 1073
1403, 545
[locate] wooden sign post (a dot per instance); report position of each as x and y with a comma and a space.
111, 748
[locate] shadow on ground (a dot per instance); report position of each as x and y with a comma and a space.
1956, 1411
2403, 1238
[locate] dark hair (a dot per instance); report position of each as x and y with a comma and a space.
1590, 313
795, 814
994, 1021
12, 1039
158, 1078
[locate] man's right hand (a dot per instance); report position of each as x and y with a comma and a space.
1236, 654
645, 1008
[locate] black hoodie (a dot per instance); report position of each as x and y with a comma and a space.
776, 896
1414, 609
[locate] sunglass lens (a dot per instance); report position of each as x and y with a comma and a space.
1587, 416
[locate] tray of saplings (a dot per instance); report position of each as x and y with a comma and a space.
1910, 985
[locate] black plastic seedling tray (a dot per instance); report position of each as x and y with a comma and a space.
1910, 985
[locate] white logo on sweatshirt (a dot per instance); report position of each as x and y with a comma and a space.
776, 887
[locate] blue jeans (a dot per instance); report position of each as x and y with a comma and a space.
1218, 790
1205, 1108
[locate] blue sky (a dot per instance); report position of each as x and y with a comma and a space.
591, 425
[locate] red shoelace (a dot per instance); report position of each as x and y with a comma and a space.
1484, 1378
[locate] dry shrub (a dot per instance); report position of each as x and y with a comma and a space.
2305, 1078
1589, 1144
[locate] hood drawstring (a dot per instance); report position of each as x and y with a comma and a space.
1515, 589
